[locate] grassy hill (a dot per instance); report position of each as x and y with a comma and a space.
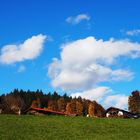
67, 128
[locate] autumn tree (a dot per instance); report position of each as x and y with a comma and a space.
96, 110
36, 103
61, 104
79, 108
99, 111
134, 102
52, 105
73, 106
68, 108
91, 110
85, 106
13, 104
79, 99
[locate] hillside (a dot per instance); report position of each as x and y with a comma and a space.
67, 128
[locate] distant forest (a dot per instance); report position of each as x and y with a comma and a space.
18, 101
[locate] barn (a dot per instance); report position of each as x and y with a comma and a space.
113, 112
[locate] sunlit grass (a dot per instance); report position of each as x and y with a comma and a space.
67, 128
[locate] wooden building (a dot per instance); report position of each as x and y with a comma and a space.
113, 112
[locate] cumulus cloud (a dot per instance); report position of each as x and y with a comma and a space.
77, 19
118, 100
97, 94
133, 32
84, 77
29, 49
85, 64
104, 95
89, 61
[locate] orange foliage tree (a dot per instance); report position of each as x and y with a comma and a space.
79, 108
91, 110
61, 104
52, 105
134, 102
68, 108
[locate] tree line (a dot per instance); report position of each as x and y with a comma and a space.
18, 101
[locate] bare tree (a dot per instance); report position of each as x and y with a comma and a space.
13, 104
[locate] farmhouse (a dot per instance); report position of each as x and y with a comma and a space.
38, 111
113, 112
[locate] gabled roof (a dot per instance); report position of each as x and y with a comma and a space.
128, 114
118, 109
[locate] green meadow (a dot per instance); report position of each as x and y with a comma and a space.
28, 127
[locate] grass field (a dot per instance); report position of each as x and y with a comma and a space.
28, 127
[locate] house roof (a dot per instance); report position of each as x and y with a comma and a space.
128, 114
47, 111
118, 109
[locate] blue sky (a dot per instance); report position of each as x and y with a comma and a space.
41, 41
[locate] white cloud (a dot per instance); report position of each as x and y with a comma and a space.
29, 49
87, 62
120, 74
97, 94
21, 68
104, 95
77, 19
133, 32
118, 100
84, 77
